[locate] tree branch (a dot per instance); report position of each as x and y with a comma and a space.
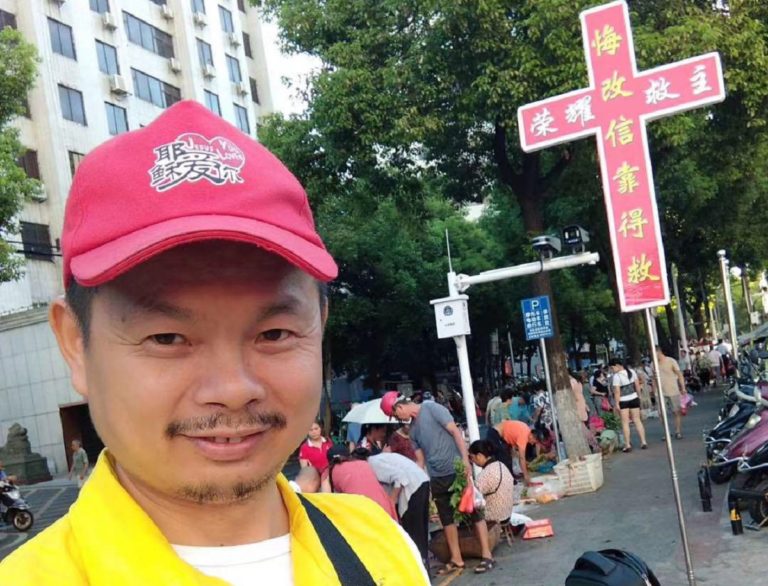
506, 173
555, 172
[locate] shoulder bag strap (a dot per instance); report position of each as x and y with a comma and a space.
349, 569
501, 474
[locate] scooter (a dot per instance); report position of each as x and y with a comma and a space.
743, 445
749, 488
14, 510
718, 438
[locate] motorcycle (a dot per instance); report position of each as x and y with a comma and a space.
749, 488
14, 510
739, 448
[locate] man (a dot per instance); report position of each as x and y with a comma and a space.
542, 410
684, 362
79, 467
492, 404
715, 365
438, 442
516, 437
672, 387
193, 325
408, 488
500, 411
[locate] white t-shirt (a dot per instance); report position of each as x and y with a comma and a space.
270, 560
621, 379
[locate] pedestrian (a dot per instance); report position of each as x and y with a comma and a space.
495, 482
314, 451
542, 410
598, 388
715, 365
645, 376
439, 442
79, 467
515, 436
352, 474
704, 368
374, 437
408, 487
307, 480
519, 409
489, 407
400, 442
626, 394
192, 323
672, 387
500, 411
684, 362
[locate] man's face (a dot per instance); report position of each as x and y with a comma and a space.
74, 446
203, 369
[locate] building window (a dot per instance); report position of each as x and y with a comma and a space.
247, 44
74, 161
242, 119
145, 35
205, 53
225, 16
7, 19
254, 90
28, 162
100, 6
212, 101
61, 39
233, 65
72, 105
36, 240
117, 119
107, 55
241, 5
198, 6
150, 89
158, 2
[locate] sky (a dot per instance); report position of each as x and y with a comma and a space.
279, 66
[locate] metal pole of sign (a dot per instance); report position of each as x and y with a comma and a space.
548, 378
649, 325
468, 393
728, 303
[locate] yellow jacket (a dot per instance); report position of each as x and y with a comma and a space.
106, 539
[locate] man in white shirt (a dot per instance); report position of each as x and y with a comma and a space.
715, 364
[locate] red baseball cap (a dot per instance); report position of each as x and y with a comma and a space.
188, 176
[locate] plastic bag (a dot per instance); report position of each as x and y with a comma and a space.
596, 423
605, 404
479, 500
467, 502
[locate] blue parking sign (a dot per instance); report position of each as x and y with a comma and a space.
537, 318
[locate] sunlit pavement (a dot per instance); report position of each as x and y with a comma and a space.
635, 511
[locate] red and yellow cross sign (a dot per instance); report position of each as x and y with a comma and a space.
615, 108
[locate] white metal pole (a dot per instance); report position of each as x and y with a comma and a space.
511, 353
467, 392
660, 401
548, 379
680, 318
728, 302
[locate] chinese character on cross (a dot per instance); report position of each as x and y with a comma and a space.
615, 108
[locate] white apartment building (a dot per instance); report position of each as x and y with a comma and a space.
107, 66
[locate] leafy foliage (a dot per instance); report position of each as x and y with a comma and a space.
18, 61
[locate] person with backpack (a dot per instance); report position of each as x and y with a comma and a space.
626, 392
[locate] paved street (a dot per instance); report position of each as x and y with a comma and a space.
635, 511
48, 501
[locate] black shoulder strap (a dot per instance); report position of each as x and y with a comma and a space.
349, 568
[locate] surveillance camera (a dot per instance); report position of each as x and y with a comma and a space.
547, 246
575, 238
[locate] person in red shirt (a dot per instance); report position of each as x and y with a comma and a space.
352, 474
400, 442
314, 451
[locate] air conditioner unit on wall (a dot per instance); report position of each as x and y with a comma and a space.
108, 20
241, 88
200, 19
167, 12
234, 39
117, 85
174, 64
40, 195
209, 71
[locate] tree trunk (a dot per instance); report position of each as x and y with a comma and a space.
673, 335
571, 429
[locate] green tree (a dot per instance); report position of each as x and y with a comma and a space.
18, 62
437, 83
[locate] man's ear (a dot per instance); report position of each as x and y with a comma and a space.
71, 343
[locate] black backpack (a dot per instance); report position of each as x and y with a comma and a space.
610, 567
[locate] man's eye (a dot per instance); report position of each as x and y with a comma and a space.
275, 335
165, 339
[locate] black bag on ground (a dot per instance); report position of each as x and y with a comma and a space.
611, 567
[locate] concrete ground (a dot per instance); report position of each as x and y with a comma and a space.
634, 510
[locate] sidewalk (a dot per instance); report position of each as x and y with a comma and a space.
634, 510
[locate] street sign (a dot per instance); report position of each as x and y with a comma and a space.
537, 318
615, 108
